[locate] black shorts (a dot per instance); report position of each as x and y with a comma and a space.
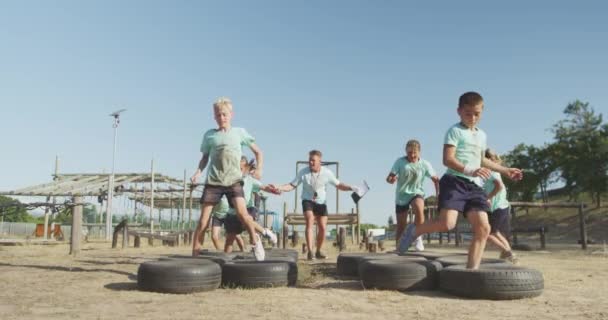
213, 194
399, 209
460, 194
232, 223
217, 222
499, 221
319, 210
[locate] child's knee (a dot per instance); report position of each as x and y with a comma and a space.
483, 230
448, 224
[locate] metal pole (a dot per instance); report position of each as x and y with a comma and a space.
265, 213
111, 183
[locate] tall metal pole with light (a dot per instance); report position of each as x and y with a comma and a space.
116, 116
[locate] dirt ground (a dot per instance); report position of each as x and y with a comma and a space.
44, 282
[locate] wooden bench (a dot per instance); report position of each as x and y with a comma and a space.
352, 219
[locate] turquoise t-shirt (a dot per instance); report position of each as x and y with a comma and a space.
315, 182
499, 201
250, 186
470, 147
410, 178
225, 150
221, 209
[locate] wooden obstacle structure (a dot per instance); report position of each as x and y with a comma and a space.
172, 239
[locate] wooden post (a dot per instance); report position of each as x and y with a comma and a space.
294, 239
184, 198
137, 241
358, 222
543, 241
285, 226
341, 239
372, 247
152, 198
381, 245
171, 210
304, 248
76, 226
125, 235
190, 211
583, 226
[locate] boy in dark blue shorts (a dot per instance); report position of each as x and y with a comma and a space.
463, 154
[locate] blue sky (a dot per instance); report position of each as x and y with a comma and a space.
355, 79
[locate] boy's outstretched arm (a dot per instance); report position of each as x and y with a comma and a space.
283, 188
201, 166
450, 161
259, 160
512, 173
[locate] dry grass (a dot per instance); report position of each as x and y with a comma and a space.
44, 282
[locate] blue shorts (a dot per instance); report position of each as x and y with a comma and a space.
232, 223
499, 221
460, 194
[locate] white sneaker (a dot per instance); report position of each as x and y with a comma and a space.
419, 246
258, 249
271, 236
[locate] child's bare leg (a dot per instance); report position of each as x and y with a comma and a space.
401, 223
481, 230
203, 223
240, 242
418, 207
493, 239
230, 237
446, 222
243, 215
503, 240
215, 237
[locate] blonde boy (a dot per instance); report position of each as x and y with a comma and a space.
222, 150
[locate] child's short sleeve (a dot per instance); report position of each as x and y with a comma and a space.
246, 138
430, 172
395, 168
452, 137
205, 145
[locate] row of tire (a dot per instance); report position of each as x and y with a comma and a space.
212, 270
495, 279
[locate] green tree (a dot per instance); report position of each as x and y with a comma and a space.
12, 210
525, 189
581, 145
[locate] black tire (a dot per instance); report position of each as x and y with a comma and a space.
397, 259
173, 276
492, 281
348, 263
430, 255
399, 275
462, 260
255, 274
292, 275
